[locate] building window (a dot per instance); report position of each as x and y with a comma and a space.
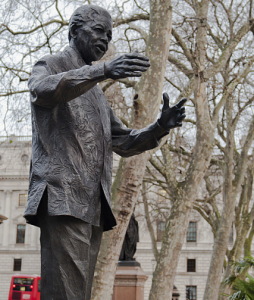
192, 232
17, 264
22, 199
175, 293
191, 292
161, 227
191, 265
21, 229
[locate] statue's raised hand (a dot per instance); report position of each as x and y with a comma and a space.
172, 117
127, 65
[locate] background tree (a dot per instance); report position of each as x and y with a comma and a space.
210, 55
129, 176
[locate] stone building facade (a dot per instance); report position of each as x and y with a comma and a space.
194, 260
19, 242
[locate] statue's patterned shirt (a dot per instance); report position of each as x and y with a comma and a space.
74, 132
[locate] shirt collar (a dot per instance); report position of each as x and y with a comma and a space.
74, 56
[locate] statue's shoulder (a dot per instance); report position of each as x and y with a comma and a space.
53, 61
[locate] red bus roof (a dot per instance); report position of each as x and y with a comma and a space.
25, 276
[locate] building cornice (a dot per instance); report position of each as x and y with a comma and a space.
14, 177
19, 251
183, 251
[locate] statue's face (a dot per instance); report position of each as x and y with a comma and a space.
93, 37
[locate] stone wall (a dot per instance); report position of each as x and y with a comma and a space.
14, 175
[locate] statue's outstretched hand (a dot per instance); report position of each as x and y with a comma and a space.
172, 117
127, 65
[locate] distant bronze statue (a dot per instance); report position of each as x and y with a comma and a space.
130, 241
74, 133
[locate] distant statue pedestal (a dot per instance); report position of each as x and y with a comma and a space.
130, 278
129, 281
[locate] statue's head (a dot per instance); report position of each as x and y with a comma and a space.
90, 31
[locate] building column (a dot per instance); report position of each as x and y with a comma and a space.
7, 213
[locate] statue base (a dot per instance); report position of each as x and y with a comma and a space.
129, 281
128, 263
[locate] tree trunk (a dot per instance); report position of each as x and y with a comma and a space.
222, 236
131, 171
164, 275
232, 189
243, 221
149, 222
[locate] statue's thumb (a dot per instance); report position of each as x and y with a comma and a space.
165, 101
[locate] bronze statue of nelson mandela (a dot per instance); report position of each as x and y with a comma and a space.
74, 133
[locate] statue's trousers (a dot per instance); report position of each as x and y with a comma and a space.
69, 250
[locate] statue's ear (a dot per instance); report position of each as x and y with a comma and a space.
73, 31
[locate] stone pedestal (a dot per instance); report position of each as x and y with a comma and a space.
129, 281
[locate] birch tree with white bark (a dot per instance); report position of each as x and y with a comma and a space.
211, 46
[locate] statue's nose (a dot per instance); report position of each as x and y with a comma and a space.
105, 38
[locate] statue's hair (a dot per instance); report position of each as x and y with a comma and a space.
84, 14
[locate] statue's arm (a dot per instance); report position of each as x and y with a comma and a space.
128, 142
48, 89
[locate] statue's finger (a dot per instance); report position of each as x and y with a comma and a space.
136, 61
165, 101
182, 110
132, 74
136, 55
181, 117
181, 102
136, 68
